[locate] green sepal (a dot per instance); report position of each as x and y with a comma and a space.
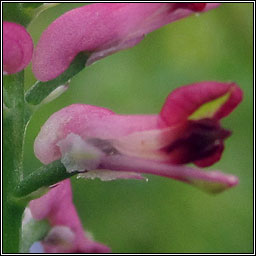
24, 200
33, 231
40, 90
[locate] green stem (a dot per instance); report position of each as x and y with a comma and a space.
43, 177
12, 217
14, 123
13, 127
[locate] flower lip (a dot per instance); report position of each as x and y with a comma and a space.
200, 139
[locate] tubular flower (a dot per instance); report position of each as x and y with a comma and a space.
17, 47
92, 139
66, 234
102, 29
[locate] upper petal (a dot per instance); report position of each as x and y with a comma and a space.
200, 100
88, 122
17, 47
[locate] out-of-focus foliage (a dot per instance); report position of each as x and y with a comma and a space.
163, 215
19, 12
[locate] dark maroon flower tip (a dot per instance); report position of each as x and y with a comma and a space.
213, 158
196, 7
200, 140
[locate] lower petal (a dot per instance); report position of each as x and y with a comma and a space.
212, 181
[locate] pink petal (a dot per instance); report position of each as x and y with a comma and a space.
17, 47
184, 101
101, 29
43, 207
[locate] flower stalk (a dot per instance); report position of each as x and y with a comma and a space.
45, 176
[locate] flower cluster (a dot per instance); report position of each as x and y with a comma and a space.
100, 143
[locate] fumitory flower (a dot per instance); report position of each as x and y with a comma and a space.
17, 47
102, 29
92, 139
66, 234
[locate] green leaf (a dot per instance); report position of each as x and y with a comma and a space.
40, 90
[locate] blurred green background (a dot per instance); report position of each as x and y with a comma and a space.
163, 215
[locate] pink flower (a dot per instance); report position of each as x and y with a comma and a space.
17, 47
67, 234
188, 129
102, 29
